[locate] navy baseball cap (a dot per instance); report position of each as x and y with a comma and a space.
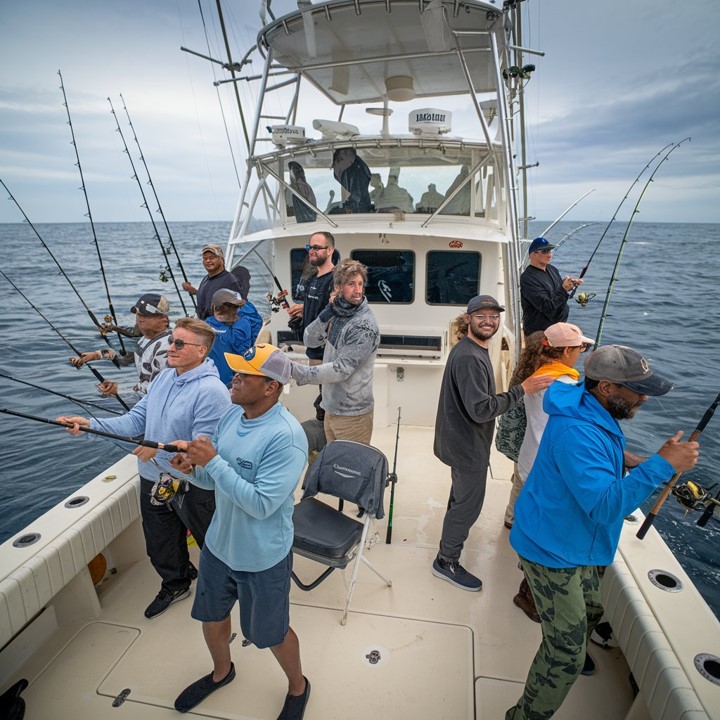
540, 243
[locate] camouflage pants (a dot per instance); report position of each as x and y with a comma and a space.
568, 601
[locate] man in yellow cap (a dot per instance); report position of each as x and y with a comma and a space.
253, 463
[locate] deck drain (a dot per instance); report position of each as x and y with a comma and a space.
26, 540
665, 580
375, 656
709, 667
77, 501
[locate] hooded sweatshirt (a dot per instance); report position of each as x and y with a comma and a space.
176, 407
570, 512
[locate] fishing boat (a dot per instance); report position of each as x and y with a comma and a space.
425, 99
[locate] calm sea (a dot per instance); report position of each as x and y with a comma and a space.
664, 304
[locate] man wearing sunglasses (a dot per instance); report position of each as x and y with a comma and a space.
543, 293
185, 400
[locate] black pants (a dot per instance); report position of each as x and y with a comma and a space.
467, 495
165, 528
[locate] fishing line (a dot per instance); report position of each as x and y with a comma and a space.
77, 401
157, 199
93, 370
135, 177
613, 277
88, 215
64, 274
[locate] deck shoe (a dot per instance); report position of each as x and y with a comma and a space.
524, 600
588, 666
194, 694
603, 635
294, 707
456, 574
165, 598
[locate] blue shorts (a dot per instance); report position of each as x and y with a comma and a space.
264, 598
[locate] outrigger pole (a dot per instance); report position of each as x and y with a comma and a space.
157, 199
145, 443
64, 274
135, 177
94, 371
89, 214
613, 277
668, 488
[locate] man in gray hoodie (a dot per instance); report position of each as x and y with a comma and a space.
351, 336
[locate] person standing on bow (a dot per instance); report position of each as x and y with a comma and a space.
348, 331
543, 293
464, 427
185, 400
217, 277
569, 515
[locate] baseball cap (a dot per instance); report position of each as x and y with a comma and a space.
484, 302
225, 295
214, 249
566, 335
265, 360
624, 366
151, 304
540, 243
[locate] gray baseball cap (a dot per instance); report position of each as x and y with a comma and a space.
624, 366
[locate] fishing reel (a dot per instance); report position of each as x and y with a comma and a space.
584, 298
523, 72
691, 495
277, 301
166, 487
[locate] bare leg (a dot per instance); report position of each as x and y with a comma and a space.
287, 654
217, 638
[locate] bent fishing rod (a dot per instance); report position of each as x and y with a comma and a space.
93, 370
623, 242
88, 215
75, 400
157, 201
145, 205
90, 313
617, 210
145, 443
671, 483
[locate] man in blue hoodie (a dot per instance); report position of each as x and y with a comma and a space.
570, 513
185, 400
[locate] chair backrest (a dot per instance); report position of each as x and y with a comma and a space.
351, 471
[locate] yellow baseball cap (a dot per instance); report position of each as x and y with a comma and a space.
265, 360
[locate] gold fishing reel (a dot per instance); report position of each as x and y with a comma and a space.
584, 298
691, 495
165, 489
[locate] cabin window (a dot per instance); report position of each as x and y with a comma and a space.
391, 275
453, 277
300, 272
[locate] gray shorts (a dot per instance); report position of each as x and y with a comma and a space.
264, 598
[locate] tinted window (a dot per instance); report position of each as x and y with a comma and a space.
391, 275
453, 277
299, 267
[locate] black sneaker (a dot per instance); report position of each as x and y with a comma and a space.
194, 694
588, 666
164, 599
456, 575
294, 707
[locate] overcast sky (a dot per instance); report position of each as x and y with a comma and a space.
619, 80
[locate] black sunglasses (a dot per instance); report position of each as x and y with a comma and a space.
180, 344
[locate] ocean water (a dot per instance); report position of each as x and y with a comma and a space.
663, 304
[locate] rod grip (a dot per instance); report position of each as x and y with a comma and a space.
649, 519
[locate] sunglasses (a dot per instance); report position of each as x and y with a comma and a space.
180, 344
546, 252
316, 247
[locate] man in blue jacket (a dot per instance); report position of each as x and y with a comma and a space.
570, 513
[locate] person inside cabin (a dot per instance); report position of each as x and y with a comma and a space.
303, 213
394, 197
430, 200
253, 465
467, 408
217, 277
569, 515
185, 400
460, 202
150, 353
352, 172
377, 186
543, 293
236, 323
349, 333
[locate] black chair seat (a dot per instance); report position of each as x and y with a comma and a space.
322, 530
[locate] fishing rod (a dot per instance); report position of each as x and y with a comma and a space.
564, 213
613, 277
157, 200
617, 210
94, 371
135, 177
88, 215
571, 233
392, 481
64, 274
145, 443
77, 401
694, 436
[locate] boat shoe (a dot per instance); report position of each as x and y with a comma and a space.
194, 694
294, 707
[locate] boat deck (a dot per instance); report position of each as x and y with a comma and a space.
443, 652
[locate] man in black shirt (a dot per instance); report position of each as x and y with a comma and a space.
543, 293
217, 278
